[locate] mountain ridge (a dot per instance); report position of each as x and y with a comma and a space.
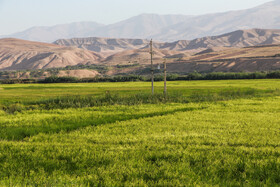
239, 38
51, 33
16, 54
170, 28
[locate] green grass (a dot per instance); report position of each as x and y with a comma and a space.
223, 133
35, 92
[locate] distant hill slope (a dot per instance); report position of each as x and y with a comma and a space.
264, 16
211, 54
142, 26
248, 59
164, 27
50, 34
141, 56
104, 45
18, 54
240, 38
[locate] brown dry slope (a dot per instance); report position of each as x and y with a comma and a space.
104, 45
141, 56
233, 53
249, 59
79, 73
18, 54
239, 38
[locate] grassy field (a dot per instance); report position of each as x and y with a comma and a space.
224, 133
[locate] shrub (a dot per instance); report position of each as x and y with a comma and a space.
55, 79
14, 108
274, 75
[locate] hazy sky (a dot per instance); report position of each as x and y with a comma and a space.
17, 15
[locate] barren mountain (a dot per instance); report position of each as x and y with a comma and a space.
264, 16
230, 65
216, 59
142, 26
240, 38
18, 54
50, 34
165, 27
104, 45
249, 59
141, 56
235, 53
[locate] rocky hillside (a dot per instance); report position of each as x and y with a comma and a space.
18, 54
248, 59
104, 45
239, 38
141, 56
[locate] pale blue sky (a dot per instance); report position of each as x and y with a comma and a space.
17, 15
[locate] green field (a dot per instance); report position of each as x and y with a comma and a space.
224, 133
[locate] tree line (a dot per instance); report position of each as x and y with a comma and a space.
158, 77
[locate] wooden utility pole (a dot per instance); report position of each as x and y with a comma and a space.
152, 66
165, 84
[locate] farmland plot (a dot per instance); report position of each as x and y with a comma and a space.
215, 133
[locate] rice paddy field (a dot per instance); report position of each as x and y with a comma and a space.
204, 133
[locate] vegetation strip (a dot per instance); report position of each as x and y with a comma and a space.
158, 77
55, 124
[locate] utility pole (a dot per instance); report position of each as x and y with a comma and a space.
165, 84
152, 68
